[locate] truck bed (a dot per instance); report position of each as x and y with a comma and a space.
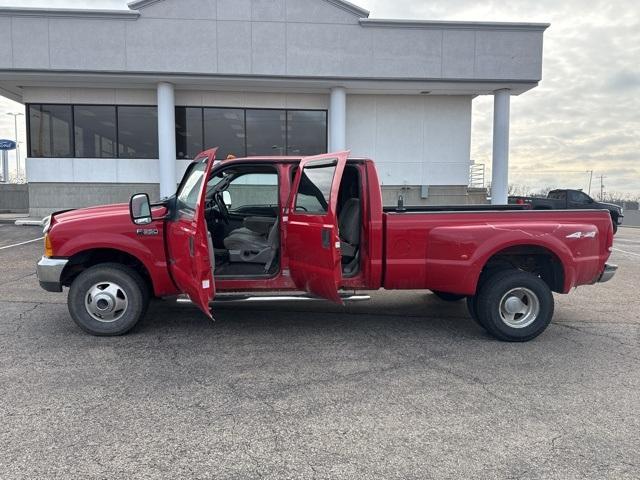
445, 248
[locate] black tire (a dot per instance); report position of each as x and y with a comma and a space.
448, 297
534, 297
472, 306
615, 226
131, 290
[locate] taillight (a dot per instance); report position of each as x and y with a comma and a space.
520, 201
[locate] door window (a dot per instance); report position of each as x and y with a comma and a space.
315, 187
253, 189
189, 193
579, 197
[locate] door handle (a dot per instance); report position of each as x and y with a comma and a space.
192, 248
326, 237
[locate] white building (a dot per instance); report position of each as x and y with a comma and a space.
118, 101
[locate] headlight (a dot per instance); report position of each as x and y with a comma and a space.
46, 224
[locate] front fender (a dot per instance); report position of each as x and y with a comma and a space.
150, 252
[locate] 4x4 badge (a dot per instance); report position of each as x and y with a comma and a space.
582, 235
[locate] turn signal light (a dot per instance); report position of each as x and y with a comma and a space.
48, 248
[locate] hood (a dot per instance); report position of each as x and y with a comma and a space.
92, 213
611, 205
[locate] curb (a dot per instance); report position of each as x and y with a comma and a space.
27, 222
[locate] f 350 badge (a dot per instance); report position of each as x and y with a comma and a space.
147, 232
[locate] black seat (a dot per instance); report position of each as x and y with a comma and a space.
349, 227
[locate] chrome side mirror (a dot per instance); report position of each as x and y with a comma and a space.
140, 209
226, 198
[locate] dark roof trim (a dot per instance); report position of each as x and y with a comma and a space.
68, 13
138, 4
342, 4
350, 7
450, 25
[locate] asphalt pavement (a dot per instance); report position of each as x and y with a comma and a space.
404, 386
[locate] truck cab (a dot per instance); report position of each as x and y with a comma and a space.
267, 224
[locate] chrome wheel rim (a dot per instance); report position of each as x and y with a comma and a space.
106, 302
519, 307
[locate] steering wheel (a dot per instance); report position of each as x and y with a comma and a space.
222, 207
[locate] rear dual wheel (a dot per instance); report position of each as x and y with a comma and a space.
513, 305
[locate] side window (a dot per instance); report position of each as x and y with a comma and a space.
254, 189
189, 192
578, 197
314, 191
558, 195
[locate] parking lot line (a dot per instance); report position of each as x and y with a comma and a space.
21, 243
628, 253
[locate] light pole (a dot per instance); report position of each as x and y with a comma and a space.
15, 126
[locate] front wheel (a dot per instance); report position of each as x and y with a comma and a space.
108, 299
515, 306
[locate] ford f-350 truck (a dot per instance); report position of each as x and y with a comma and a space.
316, 226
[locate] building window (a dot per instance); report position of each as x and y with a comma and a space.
137, 132
306, 132
266, 132
50, 132
225, 128
189, 132
95, 131
109, 131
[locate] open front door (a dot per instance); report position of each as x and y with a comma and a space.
188, 240
312, 240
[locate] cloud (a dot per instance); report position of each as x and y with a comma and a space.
623, 80
585, 115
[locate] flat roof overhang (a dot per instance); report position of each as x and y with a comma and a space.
13, 81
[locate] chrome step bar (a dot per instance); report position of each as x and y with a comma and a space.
275, 297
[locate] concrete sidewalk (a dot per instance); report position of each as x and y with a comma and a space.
12, 217
20, 219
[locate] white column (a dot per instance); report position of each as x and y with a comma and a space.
167, 139
500, 168
338, 120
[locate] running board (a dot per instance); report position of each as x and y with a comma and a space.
234, 297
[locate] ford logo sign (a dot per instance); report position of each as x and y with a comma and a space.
7, 145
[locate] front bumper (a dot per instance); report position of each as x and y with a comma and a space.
608, 273
49, 272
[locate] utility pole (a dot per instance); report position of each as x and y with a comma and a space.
15, 126
602, 177
590, 180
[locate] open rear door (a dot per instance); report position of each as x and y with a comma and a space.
188, 239
312, 240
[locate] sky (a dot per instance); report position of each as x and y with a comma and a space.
585, 114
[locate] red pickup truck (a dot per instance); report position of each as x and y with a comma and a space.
316, 226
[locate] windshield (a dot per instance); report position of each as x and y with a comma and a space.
187, 197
